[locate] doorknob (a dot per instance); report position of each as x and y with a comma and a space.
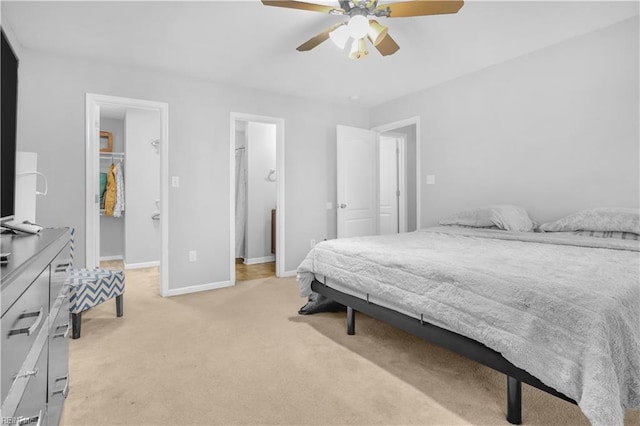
342, 206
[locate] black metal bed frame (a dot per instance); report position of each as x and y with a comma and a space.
462, 345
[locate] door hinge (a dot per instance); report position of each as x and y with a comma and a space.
97, 199
398, 193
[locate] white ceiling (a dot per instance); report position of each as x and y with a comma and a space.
248, 44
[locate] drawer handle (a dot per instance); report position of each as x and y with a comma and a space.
30, 420
64, 291
65, 391
62, 267
29, 331
33, 372
65, 334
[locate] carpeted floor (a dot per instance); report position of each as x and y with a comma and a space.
242, 355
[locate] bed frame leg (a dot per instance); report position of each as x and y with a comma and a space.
514, 401
351, 321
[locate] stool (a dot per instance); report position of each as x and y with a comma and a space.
89, 288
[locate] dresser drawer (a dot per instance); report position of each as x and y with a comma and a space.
59, 274
58, 361
32, 408
20, 326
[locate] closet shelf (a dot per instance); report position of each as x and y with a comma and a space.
102, 214
110, 155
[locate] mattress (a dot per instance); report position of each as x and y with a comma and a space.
563, 307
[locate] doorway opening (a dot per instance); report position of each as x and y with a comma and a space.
129, 138
257, 190
392, 181
399, 154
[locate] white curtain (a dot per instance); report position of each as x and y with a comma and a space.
241, 201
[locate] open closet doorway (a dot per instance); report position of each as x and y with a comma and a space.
399, 176
126, 164
392, 179
257, 193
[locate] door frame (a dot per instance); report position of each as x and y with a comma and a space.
280, 194
389, 128
93, 102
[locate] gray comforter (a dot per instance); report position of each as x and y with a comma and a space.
564, 308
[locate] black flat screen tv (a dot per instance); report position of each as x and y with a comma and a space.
8, 117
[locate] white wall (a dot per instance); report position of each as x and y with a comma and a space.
554, 131
112, 228
261, 193
51, 123
142, 187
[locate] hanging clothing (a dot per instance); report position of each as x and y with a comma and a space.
103, 188
119, 204
110, 192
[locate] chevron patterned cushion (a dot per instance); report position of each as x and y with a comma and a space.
90, 287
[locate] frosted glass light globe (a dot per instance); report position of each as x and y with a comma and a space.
340, 36
358, 27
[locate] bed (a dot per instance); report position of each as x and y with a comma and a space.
557, 310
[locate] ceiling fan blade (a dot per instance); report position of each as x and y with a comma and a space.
387, 46
421, 7
304, 6
314, 41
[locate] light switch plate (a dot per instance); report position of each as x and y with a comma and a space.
175, 181
431, 179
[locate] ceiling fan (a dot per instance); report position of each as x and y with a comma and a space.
360, 26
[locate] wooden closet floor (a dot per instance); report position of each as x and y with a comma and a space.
252, 272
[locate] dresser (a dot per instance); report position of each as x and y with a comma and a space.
35, 327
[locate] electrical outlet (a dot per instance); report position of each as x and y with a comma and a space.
312, 243
193, 256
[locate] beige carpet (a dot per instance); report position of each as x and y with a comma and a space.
243, 356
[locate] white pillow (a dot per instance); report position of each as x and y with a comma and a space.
598, 219
506, 217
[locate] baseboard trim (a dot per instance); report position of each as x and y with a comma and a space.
257, 260
287, 274
142, 265
198, 288
108, 258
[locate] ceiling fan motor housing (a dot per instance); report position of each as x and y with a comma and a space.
363, 7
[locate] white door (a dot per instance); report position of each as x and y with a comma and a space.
357, 178
389, 188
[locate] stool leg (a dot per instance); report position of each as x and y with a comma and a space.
119, 305
76, 320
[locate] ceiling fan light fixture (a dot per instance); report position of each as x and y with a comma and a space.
340, 36
358, 26
376, 32
358, 49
